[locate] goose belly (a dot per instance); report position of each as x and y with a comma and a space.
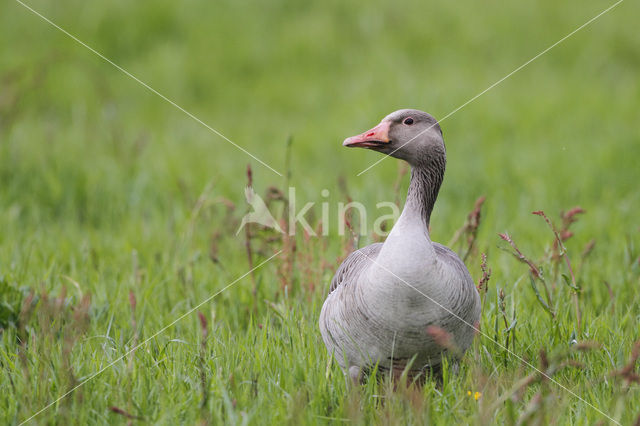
392, 324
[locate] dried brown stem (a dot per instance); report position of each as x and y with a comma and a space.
201, 361
534, 272
470, 227
247, 244
567, 218
627, 372
483, 284
123, 413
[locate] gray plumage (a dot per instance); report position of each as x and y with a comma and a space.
353, 264
385, 297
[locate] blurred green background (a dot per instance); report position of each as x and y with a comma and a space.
560, 132
96, 170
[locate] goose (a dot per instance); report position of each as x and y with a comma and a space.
391, 305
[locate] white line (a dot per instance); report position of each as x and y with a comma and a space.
477, 330
148, 87
148, 339
499, 81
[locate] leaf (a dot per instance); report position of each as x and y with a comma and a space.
511, 326
567, 281
540, 299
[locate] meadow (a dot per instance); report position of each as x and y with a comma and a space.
119, 212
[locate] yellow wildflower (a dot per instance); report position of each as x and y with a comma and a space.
476, 395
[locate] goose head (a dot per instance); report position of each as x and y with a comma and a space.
408, 134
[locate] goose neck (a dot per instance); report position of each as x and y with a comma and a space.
424, 186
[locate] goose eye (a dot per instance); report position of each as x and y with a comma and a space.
408, 121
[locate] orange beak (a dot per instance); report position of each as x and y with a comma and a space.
377, 136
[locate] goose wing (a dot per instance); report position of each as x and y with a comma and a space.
449, 257
354, 264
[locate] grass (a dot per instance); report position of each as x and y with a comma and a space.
118, 212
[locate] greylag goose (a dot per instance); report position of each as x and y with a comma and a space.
386, 299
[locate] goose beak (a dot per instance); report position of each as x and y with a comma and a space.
376, 137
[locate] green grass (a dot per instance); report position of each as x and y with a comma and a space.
107, 190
